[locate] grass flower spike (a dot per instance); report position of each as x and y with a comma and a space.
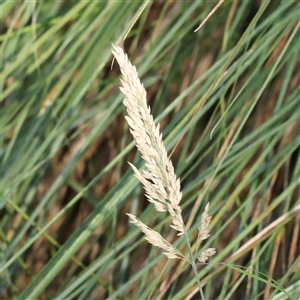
203, 227
159, 180
154, 238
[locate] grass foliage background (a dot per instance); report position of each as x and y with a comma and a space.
65, 181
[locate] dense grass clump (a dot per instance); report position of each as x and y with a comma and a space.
227, 100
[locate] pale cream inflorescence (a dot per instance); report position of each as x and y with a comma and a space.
159, 180
154, 238
203, 227
206, 254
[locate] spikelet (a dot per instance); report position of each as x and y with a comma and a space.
203, 227
203, 234
206, 254
154, 238
159, 180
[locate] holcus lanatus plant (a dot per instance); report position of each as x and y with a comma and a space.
159, 180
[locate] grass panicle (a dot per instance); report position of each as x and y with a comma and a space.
159, 180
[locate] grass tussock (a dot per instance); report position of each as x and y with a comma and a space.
227, 101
